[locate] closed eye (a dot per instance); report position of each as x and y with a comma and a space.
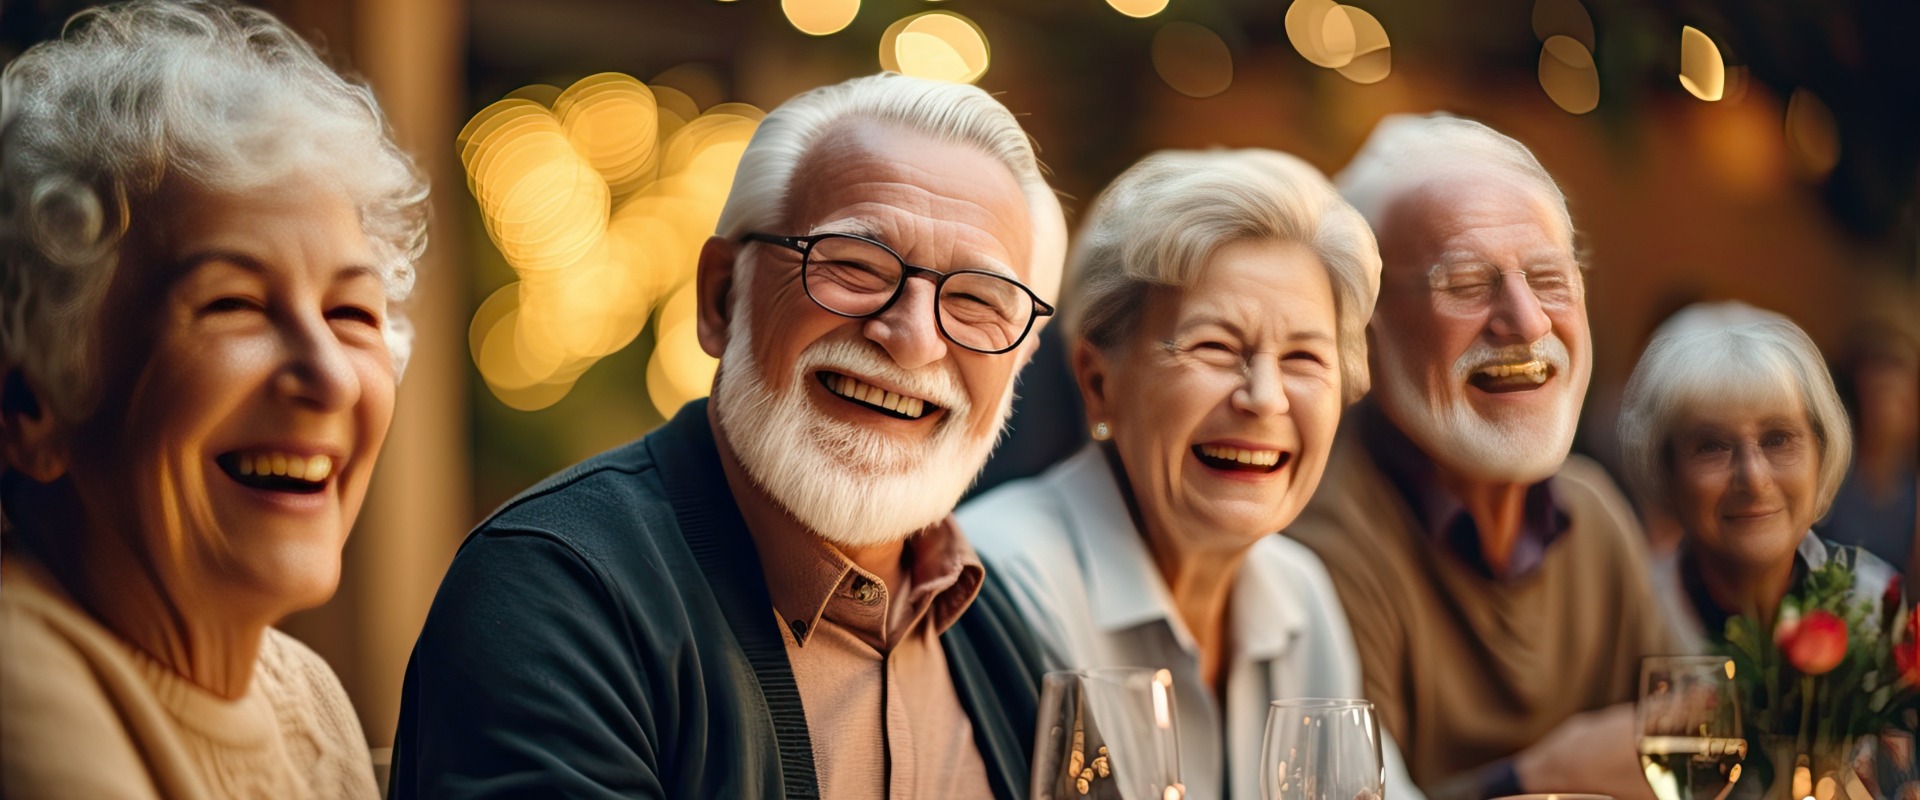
229, 305
354, 314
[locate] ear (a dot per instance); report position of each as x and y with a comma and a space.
1090, 370
713, 289
31, 443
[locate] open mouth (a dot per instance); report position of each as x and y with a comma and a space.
274, 471
894, 405
1239, 459
1501, 378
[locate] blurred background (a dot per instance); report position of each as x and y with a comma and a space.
1709, 149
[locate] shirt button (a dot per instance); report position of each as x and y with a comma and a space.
865, 591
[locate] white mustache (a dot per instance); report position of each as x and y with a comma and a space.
1482, 355
932, 384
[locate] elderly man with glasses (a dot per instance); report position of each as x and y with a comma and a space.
767, 596
1497, 588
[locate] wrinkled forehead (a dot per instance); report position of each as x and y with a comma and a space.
1462, 215
902, 186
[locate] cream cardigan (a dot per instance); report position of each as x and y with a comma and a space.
83, 713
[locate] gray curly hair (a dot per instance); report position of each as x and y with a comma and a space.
131, 94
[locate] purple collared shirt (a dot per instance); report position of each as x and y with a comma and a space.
1443, 517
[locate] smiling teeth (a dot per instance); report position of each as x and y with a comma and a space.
314, 469
1257, 458
1535, 371
844, 386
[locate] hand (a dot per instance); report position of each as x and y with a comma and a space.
1589, 752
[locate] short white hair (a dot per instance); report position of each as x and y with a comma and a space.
1407, 151
1716, 350
1161, 221
132, 94
947, 112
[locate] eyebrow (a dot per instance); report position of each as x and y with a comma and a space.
870, 228
194, 261
1292, 336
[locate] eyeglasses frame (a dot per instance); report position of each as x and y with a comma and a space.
804, 246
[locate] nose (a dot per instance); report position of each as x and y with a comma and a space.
1517, 316
908, 331
1751, 472
316, 371
1264, 392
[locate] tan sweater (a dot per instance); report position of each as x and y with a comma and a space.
1467, 670
83, 713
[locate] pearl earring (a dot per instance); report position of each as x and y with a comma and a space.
1102, 431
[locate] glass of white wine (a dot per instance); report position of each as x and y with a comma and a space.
1321, 749
1106, 734
1691, 741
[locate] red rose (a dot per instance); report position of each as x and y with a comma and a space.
1906, 651
1817, 644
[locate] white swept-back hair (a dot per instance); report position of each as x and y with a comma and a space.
130, 94
1406, 151
947, 112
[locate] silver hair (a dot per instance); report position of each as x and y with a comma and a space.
949, 112
131, 94
1161, 220
1407, 151
1715, 350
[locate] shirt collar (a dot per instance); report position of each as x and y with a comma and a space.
1124, 587
808, 579
1442, 517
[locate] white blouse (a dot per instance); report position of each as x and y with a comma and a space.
1066, 547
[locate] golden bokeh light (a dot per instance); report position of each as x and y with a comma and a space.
1138, 9
820, 17
1812, 135
1563, 18
678, 371
1321, 32
1192, 59
1372, 57
937, 45
600, 202
1702, 72
1568, 74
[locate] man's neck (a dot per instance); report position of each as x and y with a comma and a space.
1498, 509
766, 517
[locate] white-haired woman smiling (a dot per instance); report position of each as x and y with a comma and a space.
1219, 303
1731, 425
202, 228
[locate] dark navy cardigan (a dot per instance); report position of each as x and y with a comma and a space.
608, 634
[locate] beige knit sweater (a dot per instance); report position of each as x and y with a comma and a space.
83, 713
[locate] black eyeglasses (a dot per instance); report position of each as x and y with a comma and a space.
855, 276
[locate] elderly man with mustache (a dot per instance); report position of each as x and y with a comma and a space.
767, 596
1497, 588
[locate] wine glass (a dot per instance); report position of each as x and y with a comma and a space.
1321, 749
1691, 741
1106, 733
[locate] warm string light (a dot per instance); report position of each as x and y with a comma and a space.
600, 202
820, 17
1192, 59
937, 45
1342, 38
1702, 72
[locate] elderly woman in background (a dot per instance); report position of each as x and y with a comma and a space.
1220, 301
203, 230
1731, 425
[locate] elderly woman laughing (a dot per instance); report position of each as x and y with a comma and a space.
1219, 306
202, 229
1731, 425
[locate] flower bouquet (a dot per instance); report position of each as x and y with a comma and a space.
1837, 667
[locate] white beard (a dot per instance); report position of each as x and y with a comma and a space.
853, 486
1516, 448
